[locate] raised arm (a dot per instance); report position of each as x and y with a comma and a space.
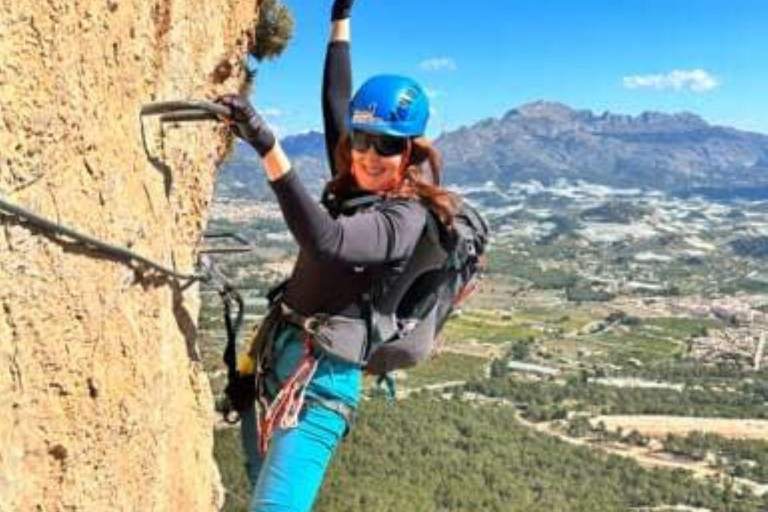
337, 79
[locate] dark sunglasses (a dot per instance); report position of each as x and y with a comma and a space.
385, 145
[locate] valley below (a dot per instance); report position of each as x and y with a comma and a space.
611, 323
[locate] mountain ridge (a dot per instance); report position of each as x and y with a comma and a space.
546, 141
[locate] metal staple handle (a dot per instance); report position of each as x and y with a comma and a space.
179, 110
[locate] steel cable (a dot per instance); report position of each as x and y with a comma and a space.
118, 252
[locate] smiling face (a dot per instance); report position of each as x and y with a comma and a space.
376, 173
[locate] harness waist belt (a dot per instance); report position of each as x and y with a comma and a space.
339, 336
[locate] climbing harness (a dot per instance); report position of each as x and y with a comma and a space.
254, 383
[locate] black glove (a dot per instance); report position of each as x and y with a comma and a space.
341, 10
248, 124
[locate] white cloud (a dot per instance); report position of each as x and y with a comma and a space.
438, 64
696, 80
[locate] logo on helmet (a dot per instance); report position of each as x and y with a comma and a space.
404, 102
366, 116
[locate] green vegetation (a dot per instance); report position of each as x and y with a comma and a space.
625, 340
523, 266
740, 457
471, 326
228, 452
273, 30
446, 367
681, 327
619, 212
463, 458
692, 373
543, 399
582, 292
622, 347
520, 350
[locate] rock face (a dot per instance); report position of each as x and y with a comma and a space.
103, 402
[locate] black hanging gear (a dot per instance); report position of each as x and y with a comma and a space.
240, 391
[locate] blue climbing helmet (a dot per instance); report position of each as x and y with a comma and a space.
390, 105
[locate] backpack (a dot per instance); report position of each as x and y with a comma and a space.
407, 313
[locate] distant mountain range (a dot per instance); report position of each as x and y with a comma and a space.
547, 141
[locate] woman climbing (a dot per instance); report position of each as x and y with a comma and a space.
309, 385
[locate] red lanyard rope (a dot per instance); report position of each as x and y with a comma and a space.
284, 410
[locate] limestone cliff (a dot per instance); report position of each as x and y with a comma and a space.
103, 405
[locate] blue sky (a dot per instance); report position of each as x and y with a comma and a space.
481, 58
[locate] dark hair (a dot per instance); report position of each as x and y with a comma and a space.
415, 184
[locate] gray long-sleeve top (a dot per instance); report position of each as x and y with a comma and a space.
339, 259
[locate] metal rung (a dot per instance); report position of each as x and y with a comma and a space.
245, 244
212, 110
188, 116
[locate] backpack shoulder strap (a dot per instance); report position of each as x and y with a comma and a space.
338, 206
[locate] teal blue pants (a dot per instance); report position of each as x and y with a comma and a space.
288, 477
